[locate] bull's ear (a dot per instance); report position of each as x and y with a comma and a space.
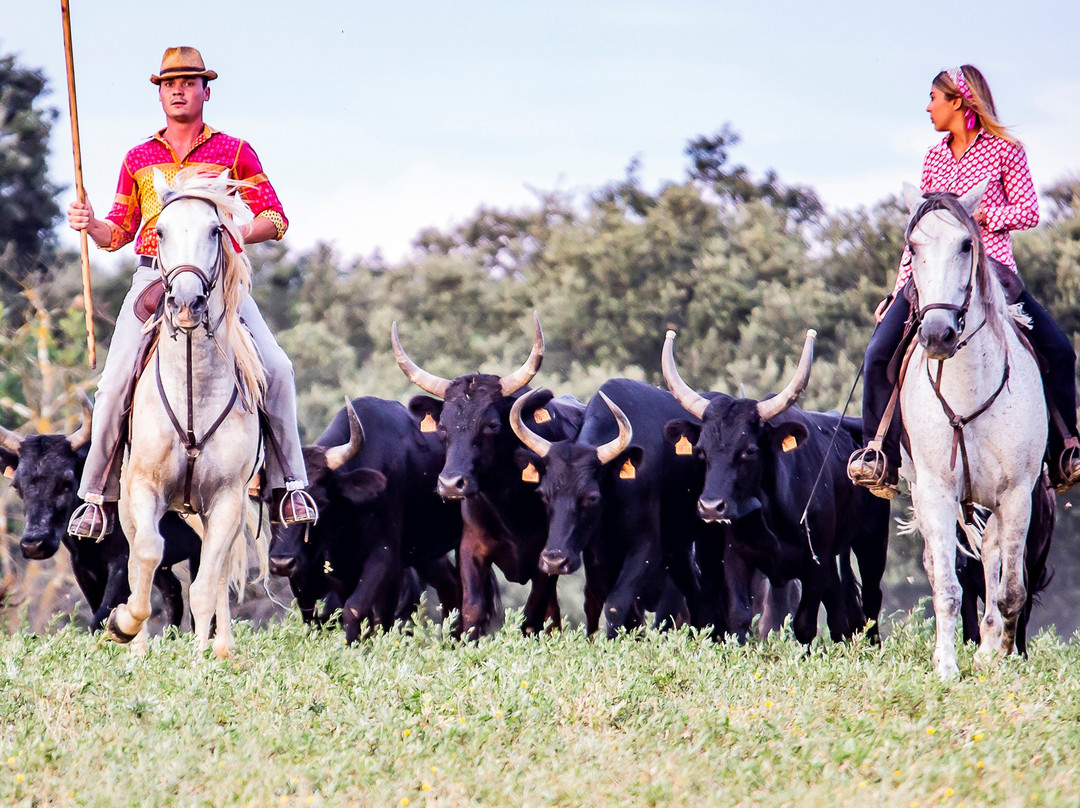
9, 461
530, 464
627, 463
788, 436
535, 410
425, 410
684, 434
362, 485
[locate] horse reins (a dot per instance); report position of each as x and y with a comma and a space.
192, 445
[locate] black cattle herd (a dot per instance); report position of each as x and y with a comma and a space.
702, 508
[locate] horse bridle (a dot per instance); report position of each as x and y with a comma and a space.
169, 276
956, 421
937, 202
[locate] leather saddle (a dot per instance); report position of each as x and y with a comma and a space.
149, 299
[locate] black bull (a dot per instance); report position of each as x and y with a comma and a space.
372, 475
503, 517
619, 499
46, 471
761, 459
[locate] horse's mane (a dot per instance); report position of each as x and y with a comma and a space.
236, 274
990, 293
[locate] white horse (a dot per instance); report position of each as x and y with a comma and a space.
194, 427
976, 423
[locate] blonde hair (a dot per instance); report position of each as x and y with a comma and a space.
981, 102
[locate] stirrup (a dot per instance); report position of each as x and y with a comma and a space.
1068, 466
869, 468
297, 508
90, 521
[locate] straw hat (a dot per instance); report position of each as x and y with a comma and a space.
182, 61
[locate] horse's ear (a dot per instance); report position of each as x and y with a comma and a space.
972, 198
221, 184
912, 198
161, 185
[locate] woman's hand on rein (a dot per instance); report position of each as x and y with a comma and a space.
882, 307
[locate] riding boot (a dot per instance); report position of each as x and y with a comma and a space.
876, 465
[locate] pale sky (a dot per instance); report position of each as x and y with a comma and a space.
375, 119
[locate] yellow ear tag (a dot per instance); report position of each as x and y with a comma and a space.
789, 443
9, 472
428, 424
627, 472
529, 474
541, 416
684, 447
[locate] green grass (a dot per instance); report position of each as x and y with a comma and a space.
296, 718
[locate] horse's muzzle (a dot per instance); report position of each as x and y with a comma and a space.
939, 335
187, 315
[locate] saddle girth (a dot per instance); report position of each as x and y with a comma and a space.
958, 422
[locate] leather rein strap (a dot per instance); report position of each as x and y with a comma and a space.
958, 422
192, 445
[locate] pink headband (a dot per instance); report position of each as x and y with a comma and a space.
957, 75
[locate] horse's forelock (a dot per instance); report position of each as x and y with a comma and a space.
218, 191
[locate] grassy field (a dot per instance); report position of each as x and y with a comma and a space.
296, 718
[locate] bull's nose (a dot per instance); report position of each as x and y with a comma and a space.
556, 562
453, 486
711, 509
285, 566
36, 547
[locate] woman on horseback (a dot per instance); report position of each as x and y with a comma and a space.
976, 147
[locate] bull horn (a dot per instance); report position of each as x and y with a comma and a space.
429, 382
790, 394
613, 448
11, 441
338, 456
81, 436
523, 375
533, 441
690, 400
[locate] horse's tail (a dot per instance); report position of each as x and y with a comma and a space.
251, 537
974, 532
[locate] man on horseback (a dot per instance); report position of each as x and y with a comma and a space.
976, 148
183, 89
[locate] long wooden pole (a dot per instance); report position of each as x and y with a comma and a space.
88, 300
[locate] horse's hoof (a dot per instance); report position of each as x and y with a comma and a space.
222, 648
985, 657
116, 634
